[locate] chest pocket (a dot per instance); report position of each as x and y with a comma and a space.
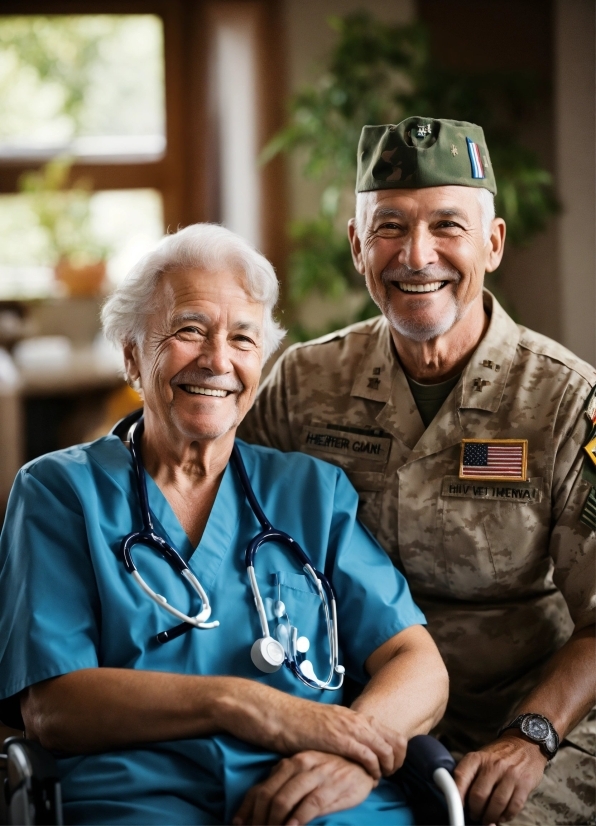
304, 610
491, 545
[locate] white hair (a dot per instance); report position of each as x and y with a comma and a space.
207, 247
485, 198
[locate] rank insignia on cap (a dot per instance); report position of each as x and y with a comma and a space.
590, 449
494, 459
475, 159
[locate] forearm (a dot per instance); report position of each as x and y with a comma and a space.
99, 709
567, 690
103, 708
409, 686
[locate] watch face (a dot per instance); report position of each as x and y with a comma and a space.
536, 728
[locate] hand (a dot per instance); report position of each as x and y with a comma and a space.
347, 733
288, 725
303, 787
498, 778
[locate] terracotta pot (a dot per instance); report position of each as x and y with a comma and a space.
81, 281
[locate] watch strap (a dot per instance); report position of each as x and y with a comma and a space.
549, 745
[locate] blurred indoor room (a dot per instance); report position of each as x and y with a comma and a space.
123, 120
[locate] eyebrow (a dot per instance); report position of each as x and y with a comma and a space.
450, 212
382, 213
388, 212
204, 318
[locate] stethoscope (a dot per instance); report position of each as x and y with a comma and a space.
268, 653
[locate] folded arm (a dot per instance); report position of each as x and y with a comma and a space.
406, 695
99, 709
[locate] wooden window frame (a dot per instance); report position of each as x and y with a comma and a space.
181, 175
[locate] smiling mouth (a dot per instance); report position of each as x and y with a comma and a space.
194, 390
429, 287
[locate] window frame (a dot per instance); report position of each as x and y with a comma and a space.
182, 175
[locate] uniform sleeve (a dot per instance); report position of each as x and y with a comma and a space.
50, 605
267, 423
373, 598
573, 542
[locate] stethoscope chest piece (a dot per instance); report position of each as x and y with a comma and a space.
267, 654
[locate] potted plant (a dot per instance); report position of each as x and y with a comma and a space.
63, 211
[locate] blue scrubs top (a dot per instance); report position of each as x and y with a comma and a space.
68, 603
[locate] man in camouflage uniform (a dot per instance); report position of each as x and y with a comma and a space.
496, 537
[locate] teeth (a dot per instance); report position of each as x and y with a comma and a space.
430, 287
204, 391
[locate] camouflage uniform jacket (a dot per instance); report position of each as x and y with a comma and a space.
502, 570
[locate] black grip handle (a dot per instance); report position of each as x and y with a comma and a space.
426, 754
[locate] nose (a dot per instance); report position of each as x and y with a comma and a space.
214, 355
418, 250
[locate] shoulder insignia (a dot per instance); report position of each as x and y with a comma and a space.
588, 514
590, 409
590, 449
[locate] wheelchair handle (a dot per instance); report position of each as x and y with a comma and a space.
426, 754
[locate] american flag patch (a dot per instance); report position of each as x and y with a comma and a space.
494, 459
475, 159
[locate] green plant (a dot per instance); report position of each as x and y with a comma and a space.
379, 73
63, 211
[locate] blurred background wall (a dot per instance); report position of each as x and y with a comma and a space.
157, 112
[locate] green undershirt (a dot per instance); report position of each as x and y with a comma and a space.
429, 398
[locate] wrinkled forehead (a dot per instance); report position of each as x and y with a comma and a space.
214, 296
425, 204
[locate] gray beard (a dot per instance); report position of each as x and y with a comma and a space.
418, 329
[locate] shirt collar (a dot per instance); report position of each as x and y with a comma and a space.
374, 378
485, 375
380, 378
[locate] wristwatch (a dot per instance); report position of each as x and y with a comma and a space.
538, 729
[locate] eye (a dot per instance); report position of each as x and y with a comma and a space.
390, 229
448, 225
189, 333
244, 341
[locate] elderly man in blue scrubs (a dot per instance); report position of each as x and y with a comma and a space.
208, 726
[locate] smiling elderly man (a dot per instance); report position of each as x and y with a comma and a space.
464, 435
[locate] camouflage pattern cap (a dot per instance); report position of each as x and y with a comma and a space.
421, 152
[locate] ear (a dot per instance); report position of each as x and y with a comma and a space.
495, 244
131, 361
355, 246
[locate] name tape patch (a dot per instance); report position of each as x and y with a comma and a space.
529, 492
345, 443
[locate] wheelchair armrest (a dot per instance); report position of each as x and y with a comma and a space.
32, 784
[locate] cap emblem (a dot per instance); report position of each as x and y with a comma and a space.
454, 151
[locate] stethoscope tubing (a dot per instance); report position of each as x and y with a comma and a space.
268, 533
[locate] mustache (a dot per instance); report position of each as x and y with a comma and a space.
434, 272
203, 377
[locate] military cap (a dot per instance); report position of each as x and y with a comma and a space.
421, 152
